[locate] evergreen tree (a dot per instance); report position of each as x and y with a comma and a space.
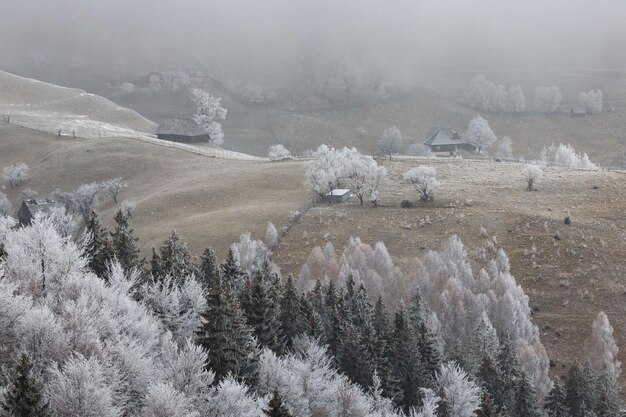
231, 274
99, 249
555, 402
443, 408
208, 268
292, 313
226, 337
525, 401
262, 309
608, 395
417, 310
352, 356
429, 354
487, 406
175, 259
577, 391
24, 397
491, 381
508, 366
155, 264
384, 369
124, 243
405, 362
276, 408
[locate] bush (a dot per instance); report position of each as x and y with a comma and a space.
278, 153
15, 174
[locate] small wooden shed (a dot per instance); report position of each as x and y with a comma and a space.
577, 111
181, 130
339, 195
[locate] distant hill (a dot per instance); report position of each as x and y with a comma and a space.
50, 108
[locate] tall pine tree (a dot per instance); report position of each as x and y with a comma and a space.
24, 397
525, 399
226, 336
124, 243
292, 314
231, 274
555, 402
208, 268
98, 250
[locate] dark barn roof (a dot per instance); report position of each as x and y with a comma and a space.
444, 138
30, 207
180, 127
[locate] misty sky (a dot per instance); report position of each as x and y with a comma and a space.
268, 39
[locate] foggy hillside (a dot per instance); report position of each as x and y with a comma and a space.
282, 41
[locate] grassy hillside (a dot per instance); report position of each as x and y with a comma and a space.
568, 280
209, 201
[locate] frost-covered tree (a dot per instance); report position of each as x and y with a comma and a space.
391, 141
80, 388
271, 236
461, 393
226, 337
208, 110
591, 100
15, 174
276, 408
532, 174
278, 153
24, 396
124, 242
208, 268
424, 179
479, 134
85, 199
112, 187
565, 155
555, 402
484, 343
325, 171
250, 254
419, 149
163, 400
174, 260
232, 398
362, 175
6, 208
515, 101
547, 99
601, 348
97, 245
504, 148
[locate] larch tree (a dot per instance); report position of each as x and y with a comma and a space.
461, 393
479, 134
271, 236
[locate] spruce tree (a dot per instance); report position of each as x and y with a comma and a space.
555, 402
99, 249
508, 366
155, 264
405, 362
525, 398
231, 274
416, 310
276, 408
24, 397
491, 381
487, 406
352, 356
226, 336
429, 354
380, 324
208, 268
292, 315
175, 259
443, 408
124, 243
577, 391
263, 309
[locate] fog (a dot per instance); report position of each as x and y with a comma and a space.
280, 41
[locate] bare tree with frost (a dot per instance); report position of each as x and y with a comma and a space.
208, 111
532, 174
278, 153
15, 174
424, 179
111, 188
479, 134
391, 141
547, 99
